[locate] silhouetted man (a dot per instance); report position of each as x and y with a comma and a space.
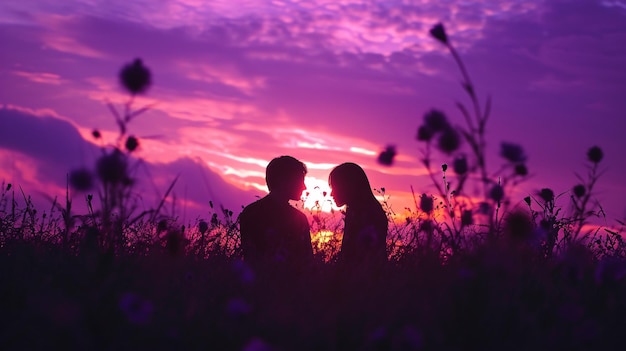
275, 235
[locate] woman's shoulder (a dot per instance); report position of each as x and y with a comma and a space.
369, 212
375, 209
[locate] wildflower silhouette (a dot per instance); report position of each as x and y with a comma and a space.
82, 179
424, 133
512, 152
131, 143
496, 193
436, 121
112, 168
467, 218
595, 154
439, 32
440, 135
113, 176
387, 156
449, 140
521, 170
136, 77
579, 190
546, 194
582, 201
459, 165
426, 203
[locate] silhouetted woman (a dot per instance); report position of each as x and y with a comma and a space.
365, 231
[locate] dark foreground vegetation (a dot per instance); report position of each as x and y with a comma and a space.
464, 272
501, 295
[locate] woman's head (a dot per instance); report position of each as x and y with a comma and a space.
349, 183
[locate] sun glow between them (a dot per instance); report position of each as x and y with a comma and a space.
317, 197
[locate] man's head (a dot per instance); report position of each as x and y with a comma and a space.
285, 176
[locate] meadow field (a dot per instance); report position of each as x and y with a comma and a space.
160, 290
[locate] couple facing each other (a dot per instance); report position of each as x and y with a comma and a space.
274, 234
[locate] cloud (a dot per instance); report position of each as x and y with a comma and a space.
53, 147
40, 77
53, 141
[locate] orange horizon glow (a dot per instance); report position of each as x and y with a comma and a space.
321, 238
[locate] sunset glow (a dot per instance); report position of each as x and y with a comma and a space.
236, 84
317, 195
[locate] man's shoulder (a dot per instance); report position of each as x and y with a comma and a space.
256, 206
265, 206
295, 213
294, 210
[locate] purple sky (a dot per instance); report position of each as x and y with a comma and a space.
237, 83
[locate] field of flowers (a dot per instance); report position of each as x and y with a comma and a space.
170, 293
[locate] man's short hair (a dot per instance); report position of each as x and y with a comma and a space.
281, 170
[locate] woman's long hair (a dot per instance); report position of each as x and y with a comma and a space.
351, 178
